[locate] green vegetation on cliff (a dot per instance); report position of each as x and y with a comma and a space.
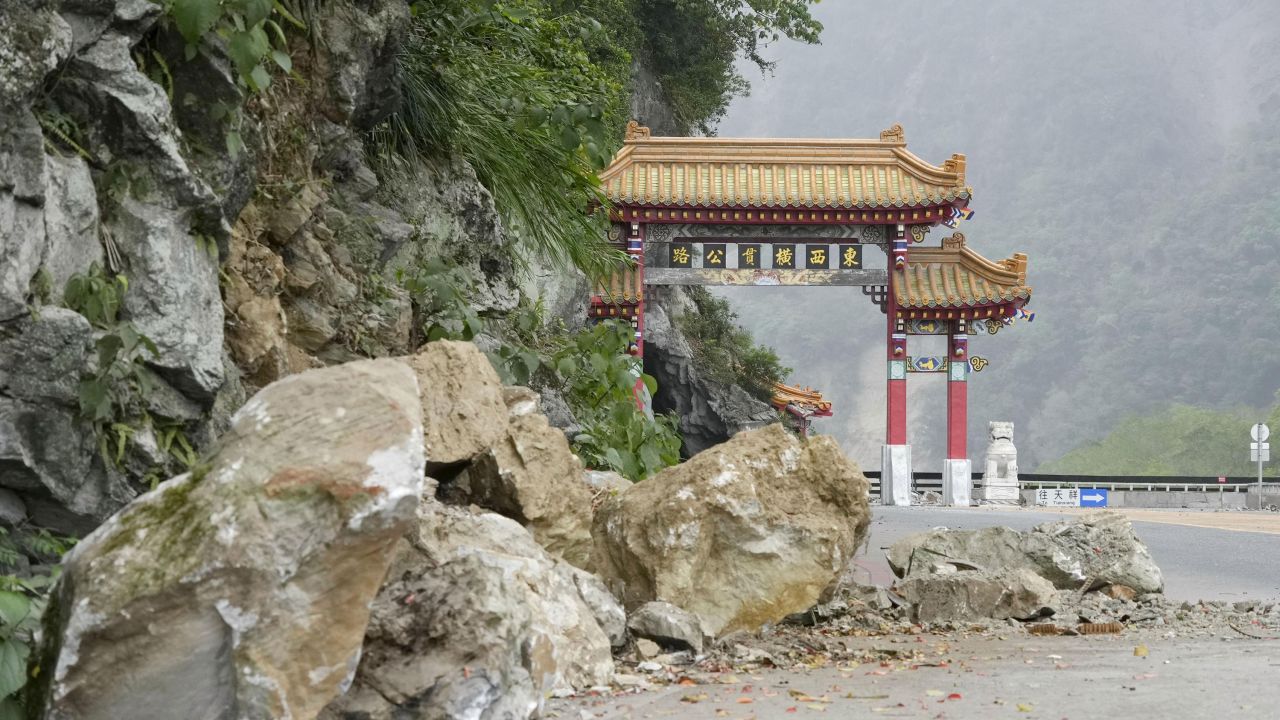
726, 351
534, 94
510, 88
693, 46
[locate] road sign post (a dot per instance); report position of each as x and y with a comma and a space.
1072, 497
1260, 450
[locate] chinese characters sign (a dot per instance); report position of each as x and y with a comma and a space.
1058, 497
784, 257
760, 256
680, 254
713, 256
759, 261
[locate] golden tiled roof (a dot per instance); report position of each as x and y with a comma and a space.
953, 276
776, 173
784, 395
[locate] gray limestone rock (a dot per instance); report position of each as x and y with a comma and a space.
47, 455
667, 625
360, 47
608, 612
605, 481
1098, 549
46, 239
1017, 593
173, 295
70, 223
709, 412
12, 510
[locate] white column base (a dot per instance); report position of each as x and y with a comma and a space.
957, 482
895, 475
999, 492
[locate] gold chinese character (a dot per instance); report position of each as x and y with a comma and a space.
783, 256
749, 255
715, 257
818, 256
850, 258
680, 255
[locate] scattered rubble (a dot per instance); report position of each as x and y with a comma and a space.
869, 630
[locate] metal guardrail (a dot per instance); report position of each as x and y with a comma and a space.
924, 481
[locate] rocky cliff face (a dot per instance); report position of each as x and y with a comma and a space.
242, 266
710, 412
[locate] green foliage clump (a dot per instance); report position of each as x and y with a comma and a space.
252, 36
694, 44
510, 87
24, 591
113, 389
1179, 440
439, 291
601, 383
111, 396
725, 351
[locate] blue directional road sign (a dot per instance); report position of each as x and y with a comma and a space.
1093, 497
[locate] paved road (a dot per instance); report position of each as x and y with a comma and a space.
1198, 563
1022, 677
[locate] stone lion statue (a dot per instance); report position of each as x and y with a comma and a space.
1002, 456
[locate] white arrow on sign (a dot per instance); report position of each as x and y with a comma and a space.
1091, 498
1260, 432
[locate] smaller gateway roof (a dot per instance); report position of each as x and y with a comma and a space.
955, 277
712, 172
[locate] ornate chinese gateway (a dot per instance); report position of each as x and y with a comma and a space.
762, 212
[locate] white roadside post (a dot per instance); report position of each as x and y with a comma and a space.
1260, 450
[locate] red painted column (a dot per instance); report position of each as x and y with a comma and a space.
635, 248
896, 395
957, 394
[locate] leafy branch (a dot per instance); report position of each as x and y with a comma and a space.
119, 380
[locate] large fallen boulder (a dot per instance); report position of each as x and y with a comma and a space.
462, 409
476, 620
492, 448
532, 476
743, 534
243, 588
1095, 549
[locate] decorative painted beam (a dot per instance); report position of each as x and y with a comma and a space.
704, 276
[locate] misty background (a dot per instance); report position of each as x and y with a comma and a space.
1130, 149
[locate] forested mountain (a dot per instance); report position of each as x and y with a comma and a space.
1131, 149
